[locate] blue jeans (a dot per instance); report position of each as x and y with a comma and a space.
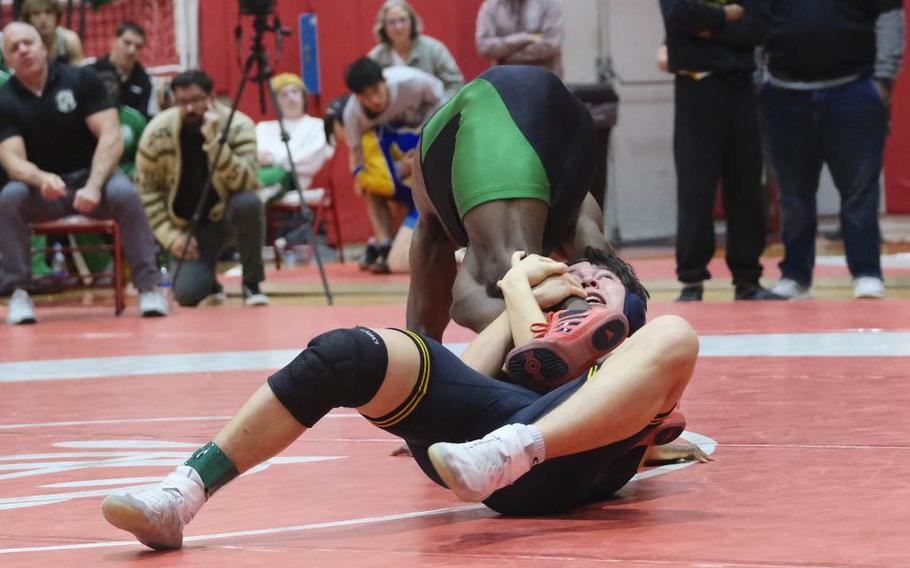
844, 127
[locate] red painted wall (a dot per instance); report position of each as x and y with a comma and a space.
345, 33
897, 152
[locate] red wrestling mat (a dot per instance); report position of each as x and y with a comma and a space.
69, 332
811, 464
335, 272
89, 332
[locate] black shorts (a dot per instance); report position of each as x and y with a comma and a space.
514, 132
460, 404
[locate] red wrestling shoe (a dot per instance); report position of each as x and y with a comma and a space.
566, 346
669, 427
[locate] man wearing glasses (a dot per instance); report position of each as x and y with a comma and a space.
176, 153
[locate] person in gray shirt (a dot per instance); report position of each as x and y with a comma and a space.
402, 42
381, 123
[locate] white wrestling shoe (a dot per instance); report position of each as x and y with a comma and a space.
157, 515
474, 470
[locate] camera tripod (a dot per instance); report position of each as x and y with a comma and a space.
259, 59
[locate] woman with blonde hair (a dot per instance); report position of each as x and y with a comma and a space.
402, 42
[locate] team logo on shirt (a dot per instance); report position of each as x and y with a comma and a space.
66, 101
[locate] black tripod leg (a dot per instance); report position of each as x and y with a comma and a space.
222, 142
305, 211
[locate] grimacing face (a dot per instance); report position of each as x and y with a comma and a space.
601, 285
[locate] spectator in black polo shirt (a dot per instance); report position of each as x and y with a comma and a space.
831, 66
716, 138
60, 143
135, 84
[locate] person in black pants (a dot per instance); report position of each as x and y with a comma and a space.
710, 49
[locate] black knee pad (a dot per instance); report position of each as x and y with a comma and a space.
344, 367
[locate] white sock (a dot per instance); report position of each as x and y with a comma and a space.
190, 473
532, 442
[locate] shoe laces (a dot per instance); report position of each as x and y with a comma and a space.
492, 458
167, 498
564, 322
539, 329
160, 499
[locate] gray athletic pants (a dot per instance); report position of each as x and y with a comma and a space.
21, 205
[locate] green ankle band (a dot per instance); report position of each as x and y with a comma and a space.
213, 466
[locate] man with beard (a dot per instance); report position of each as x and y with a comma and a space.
176, 153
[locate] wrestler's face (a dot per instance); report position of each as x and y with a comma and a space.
601, 285
374, 98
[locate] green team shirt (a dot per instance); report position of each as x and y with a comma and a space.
132, 123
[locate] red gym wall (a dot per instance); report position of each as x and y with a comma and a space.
345, 29
345, 33
897, 152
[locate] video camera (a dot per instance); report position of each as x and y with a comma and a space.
257, 7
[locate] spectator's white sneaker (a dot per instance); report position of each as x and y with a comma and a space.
252, 296
157, 515
152, 303
217, 297
474, 470
869, 287
793, 290
21, 309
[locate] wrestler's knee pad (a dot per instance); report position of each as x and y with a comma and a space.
344, 367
